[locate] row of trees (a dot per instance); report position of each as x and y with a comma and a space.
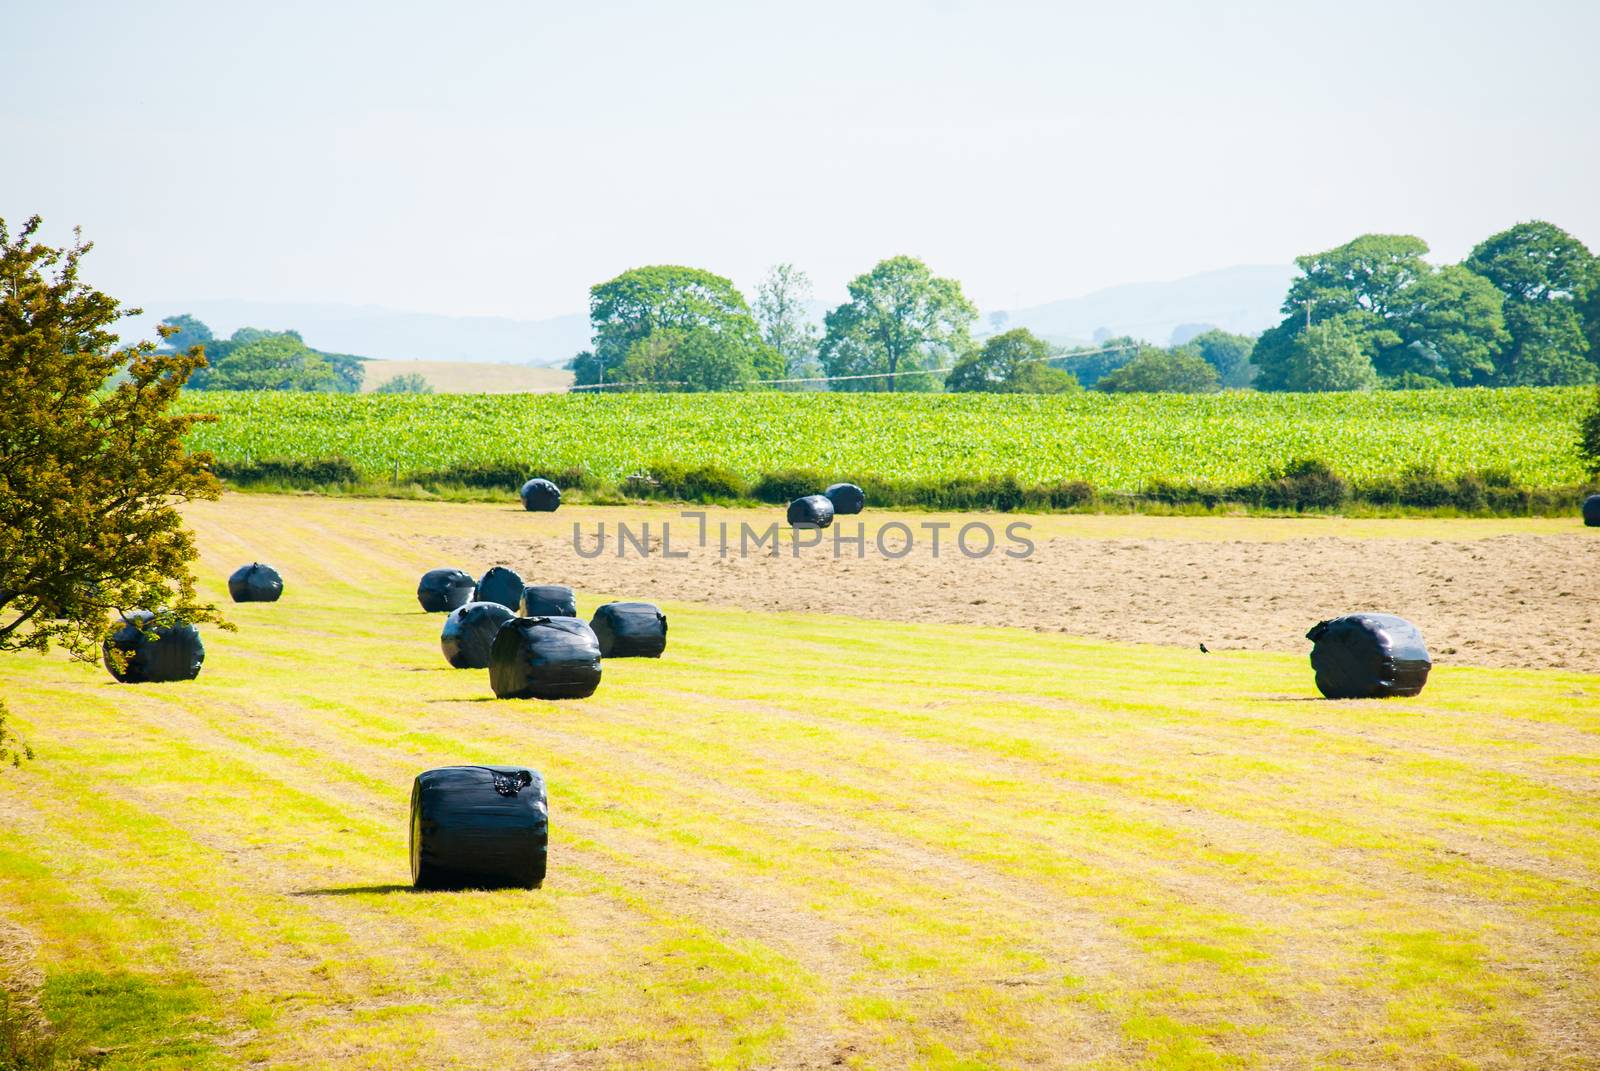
1522, 309
253, 359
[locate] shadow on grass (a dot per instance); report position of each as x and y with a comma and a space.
355, 890
472, 699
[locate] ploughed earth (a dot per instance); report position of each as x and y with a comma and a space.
1511, 600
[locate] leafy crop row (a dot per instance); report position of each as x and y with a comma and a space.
1115, 442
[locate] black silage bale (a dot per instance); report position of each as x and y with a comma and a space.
540, 496
547, 600
813, 510
630, 630
544, 658
442, 590
479, 827
255, 583
1591, 511
175, 654
469, 631
847, 498
500, 585
1368, 656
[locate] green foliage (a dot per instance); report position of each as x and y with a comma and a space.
272, 362
90, 480
185, 333
1228, 353
1451, 326
688, 359
1156, 371
1117, 442
1589, 437
628, 309
1546, 276
411, 383
900, 319
1012, 363
1331, 358
786, 325
1089, 364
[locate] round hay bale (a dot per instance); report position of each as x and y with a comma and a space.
813, 510
479, 827
255, 583
443, 590
1591, 511
630, 630
500, 585
547, 600
153, 654
846, 498
540, 496
468, 633
1368, 656
544, 658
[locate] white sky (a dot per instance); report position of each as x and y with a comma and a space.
498, 158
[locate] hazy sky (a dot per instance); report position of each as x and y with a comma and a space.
498, 158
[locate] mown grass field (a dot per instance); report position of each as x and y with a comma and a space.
797, 841
1115, 442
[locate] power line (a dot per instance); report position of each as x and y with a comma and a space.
864, 375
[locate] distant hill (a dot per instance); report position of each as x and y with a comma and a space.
371, 331
1244, 299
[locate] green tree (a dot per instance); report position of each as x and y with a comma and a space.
411, 383
1012, 363
272, 362
1451, 327
687, 359
1546, 275
900, 318
785, 322
90, 479
1228, 353
1158, 371
1331, 357
186, 332
624, 310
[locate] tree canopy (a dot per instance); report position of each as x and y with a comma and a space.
1228, 353
687, 359
900, 318
90, 478
625, 310
1546, 276
410, 383
786, 323
1158, 371
1011, 363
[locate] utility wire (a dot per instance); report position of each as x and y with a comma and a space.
864, 375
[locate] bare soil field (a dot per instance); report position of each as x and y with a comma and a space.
1509, 600
470, 377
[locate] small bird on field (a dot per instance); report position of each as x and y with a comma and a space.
1203, 649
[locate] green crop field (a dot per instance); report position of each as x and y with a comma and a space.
797, 841
1115, 442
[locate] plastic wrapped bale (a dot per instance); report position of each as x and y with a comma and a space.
443, 590
1591, 511
547, 600
630, 630
469, 631
814, 510
540, 496
479, 827
255, 583
175, 652
846, 498
500, 585
544, 658
1368, 656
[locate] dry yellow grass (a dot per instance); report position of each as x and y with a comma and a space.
468, 377
797, 841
